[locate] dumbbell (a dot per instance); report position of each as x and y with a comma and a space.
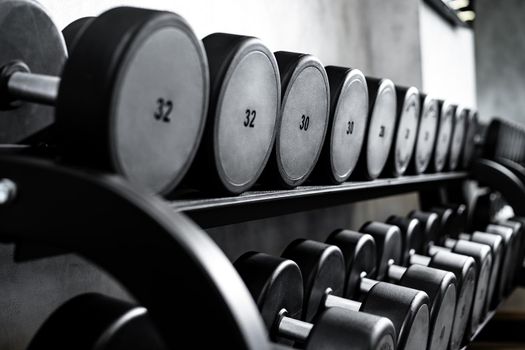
454, 221
405, 130
304, 119
325, 283
484, 211
96, 321
510, 233
443, 135
122, 104
440, 285
346, 127
245, 100
483, 256
380, 131
276, 284
426, 134
463, 267
518, 226
458, 136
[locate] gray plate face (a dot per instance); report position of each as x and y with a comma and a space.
457, 139
406, 134
468, 151
348, 131
158, 109
442, 327
381, 131
480, 298
465, 299
28, 34
419, 331
246, 118
303, 123
443, 138
426, 135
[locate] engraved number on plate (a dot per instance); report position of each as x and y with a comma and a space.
249, 118
163, 111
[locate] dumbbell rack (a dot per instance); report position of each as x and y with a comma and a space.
58, 209
253, 205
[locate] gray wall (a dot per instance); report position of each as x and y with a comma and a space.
500, 53
380, 37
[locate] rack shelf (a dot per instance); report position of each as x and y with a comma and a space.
211, 212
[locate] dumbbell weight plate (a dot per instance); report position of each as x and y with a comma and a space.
408, 109
94, 321
347, 126
426, 134
458, 136
360, 256
380, 132
465, 270
444, 135
441, 289
304, 116
411, 234
275, 284
244, 108
132, 90
329, 271
73, 31
470, 138
28, 34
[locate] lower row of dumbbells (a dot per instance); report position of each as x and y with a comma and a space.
278, 118
387, 286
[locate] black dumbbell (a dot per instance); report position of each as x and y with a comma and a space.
454, 221
521, 240
380, 130
463, 267
426, 134
243, 116
276, 284
304, 118
95, 321
347, 125
483, 256
497, 273
405, 131
325, 275
510, 232
412, 236
440, 285
116, 108
443, 136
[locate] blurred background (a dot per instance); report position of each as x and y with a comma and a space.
472, 52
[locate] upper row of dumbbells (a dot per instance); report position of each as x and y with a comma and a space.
139, 91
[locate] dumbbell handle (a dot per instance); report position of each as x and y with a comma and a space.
420, 260
294, 329
396, 272
343, 303
366, 284
33, 87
